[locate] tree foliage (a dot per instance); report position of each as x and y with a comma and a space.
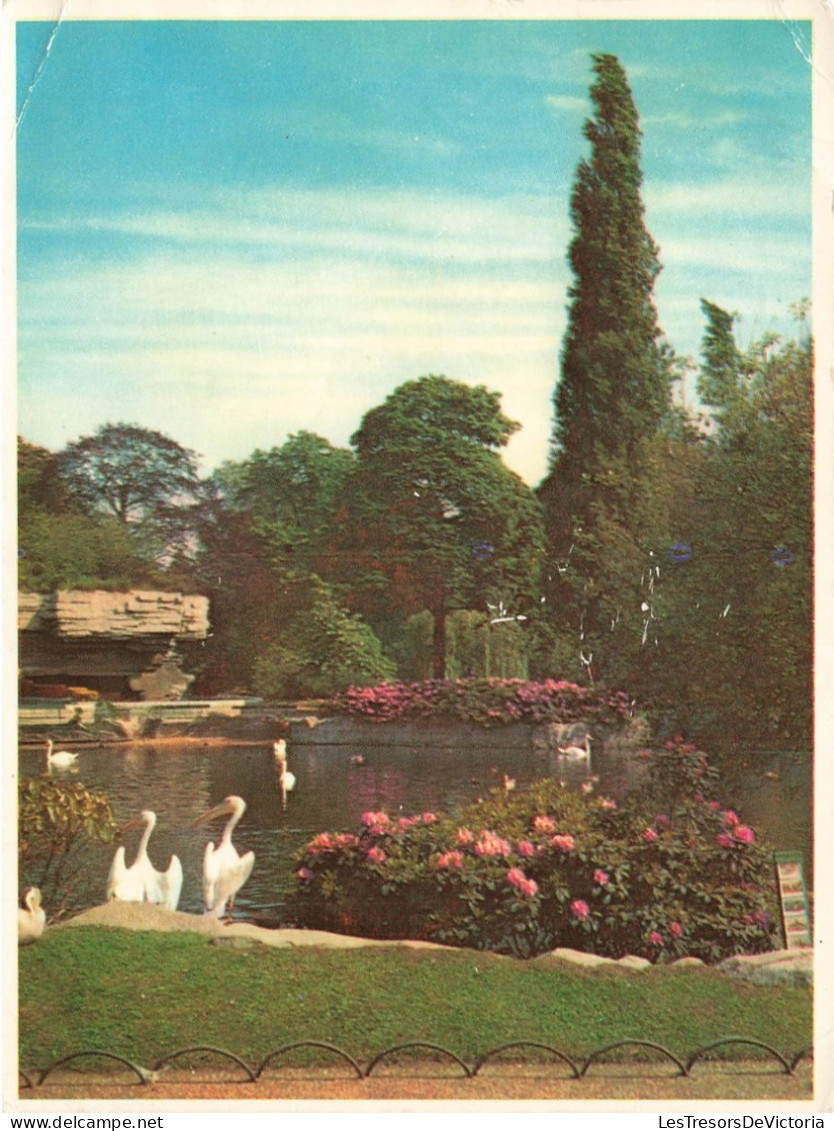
433, 519
62, 547
142, 478
58, 822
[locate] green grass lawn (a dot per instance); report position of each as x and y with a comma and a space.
145, 994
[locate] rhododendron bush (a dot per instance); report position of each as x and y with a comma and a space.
526, 872
488, 702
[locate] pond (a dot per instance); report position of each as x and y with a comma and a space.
179, 781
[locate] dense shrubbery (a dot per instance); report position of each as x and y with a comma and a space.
58, 822
488, 702
525, 873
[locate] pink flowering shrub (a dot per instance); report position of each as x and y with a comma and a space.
487, 702
527, 872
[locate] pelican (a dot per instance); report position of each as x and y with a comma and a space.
60, 758
577, 752
286, 780
141, 883
31, 920
225, 871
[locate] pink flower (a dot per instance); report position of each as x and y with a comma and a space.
725, 840
489, 844
587, 787
525, 848
428, 818
662, 821
676, 929
649, 835
449, 860
406, 822
371, 819
464, 836
656, 939
698, 798
376, 855
744, 834
607, 803
521, 883
730, 817
544, 824
579, 909
305, 874
600, 877
564, 842
714, 806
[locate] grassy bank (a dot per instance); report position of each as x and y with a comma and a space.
145, 994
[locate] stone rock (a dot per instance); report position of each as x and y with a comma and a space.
112, 643
686, 963
774, 968
581, 957
633, 962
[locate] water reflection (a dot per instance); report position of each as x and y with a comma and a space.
181, 781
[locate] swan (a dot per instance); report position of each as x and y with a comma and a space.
578, 752
141, 883
60, 758
225, 871
31, 920
286, 779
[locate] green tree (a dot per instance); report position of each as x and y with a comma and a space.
59, 545
614, 392
433, 518
290, 494
142, 478
322, 649
718, 379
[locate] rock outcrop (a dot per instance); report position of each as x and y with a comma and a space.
123, 645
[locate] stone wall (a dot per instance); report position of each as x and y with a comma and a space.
132, 644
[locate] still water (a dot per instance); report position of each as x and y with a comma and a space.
179, 782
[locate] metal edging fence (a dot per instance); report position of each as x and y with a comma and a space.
32, 1079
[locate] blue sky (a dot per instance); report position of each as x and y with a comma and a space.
231, 231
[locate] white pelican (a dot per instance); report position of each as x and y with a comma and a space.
31, 920
225, 871
286, 780
60, 758
141, 883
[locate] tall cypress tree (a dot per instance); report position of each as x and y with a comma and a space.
615, 373
614, 392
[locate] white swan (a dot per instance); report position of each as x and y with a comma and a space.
582, 753
59, 758
286, 779
225, 871
141, 883
31, 920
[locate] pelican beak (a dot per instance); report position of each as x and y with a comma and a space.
221, 810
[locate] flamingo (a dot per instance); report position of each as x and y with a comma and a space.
225, 871
60, 758
141, 883
31, 920
286, 780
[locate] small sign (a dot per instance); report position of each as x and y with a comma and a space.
796, 914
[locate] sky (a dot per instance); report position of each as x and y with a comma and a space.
233, 231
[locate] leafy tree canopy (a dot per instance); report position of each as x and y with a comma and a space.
138, 476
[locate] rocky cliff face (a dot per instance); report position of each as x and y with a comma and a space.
120, 644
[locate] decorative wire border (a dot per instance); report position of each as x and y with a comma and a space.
253, 1074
